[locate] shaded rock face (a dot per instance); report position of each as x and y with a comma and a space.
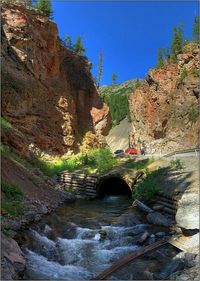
12, 259
48, 93
164, 109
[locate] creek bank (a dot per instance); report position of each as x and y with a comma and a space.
12, 258
40, 198
64, 239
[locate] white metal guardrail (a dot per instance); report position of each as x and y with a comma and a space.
196, 150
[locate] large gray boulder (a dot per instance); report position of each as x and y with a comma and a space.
187, 215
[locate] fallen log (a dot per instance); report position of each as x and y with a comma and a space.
141, 206
167, 199
169, 211
171, 206
127, 259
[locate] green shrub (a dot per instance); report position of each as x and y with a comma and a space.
101, 160
5, 150
177, 164
45, 7
12, 199
193, 114
194, 72
183, 74
95, 160
148, 188
5, 124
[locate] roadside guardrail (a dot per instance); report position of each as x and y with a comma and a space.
196, 149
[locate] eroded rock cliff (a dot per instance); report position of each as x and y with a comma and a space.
48, 93
164, 109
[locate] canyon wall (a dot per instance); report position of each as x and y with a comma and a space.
165, 109
48, 93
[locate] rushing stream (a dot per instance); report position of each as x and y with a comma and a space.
82, 239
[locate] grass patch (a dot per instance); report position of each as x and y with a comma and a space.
138, 165
148, 188
5, 124
12, 199
8, 153
177, 164
94, 161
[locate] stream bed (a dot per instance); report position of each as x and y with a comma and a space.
82, 239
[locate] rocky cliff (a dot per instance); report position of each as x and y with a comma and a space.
164, 109
48, 93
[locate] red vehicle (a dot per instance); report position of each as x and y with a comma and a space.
131, 151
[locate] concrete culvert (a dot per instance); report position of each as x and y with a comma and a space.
113, 186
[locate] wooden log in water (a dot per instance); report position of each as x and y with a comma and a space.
91, 182
169, 211
130, 258
141, 206
86, 190
90, 192
90, 186
171, 206
167, 199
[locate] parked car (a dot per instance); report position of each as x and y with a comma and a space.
119, 152
131, 151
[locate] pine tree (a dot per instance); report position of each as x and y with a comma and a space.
45, 7
114, 78
166, 53
160, 61
137, 83
78, 46
177, 43
100, 68
68, 42
196, 29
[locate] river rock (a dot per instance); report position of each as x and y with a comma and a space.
12, 259
93, 224
69, 230
143, 238
190, 260
148, 275
176, 264
151, 239
68, 196
128, 220
158, 219
160, 234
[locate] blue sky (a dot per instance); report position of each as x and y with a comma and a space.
129, 33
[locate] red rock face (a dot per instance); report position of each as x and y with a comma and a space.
48, 92
164, 110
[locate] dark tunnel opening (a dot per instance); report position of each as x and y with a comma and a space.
113, 186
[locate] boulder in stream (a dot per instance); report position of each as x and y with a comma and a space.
158, 219
176, 264
128, 219
69, 230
